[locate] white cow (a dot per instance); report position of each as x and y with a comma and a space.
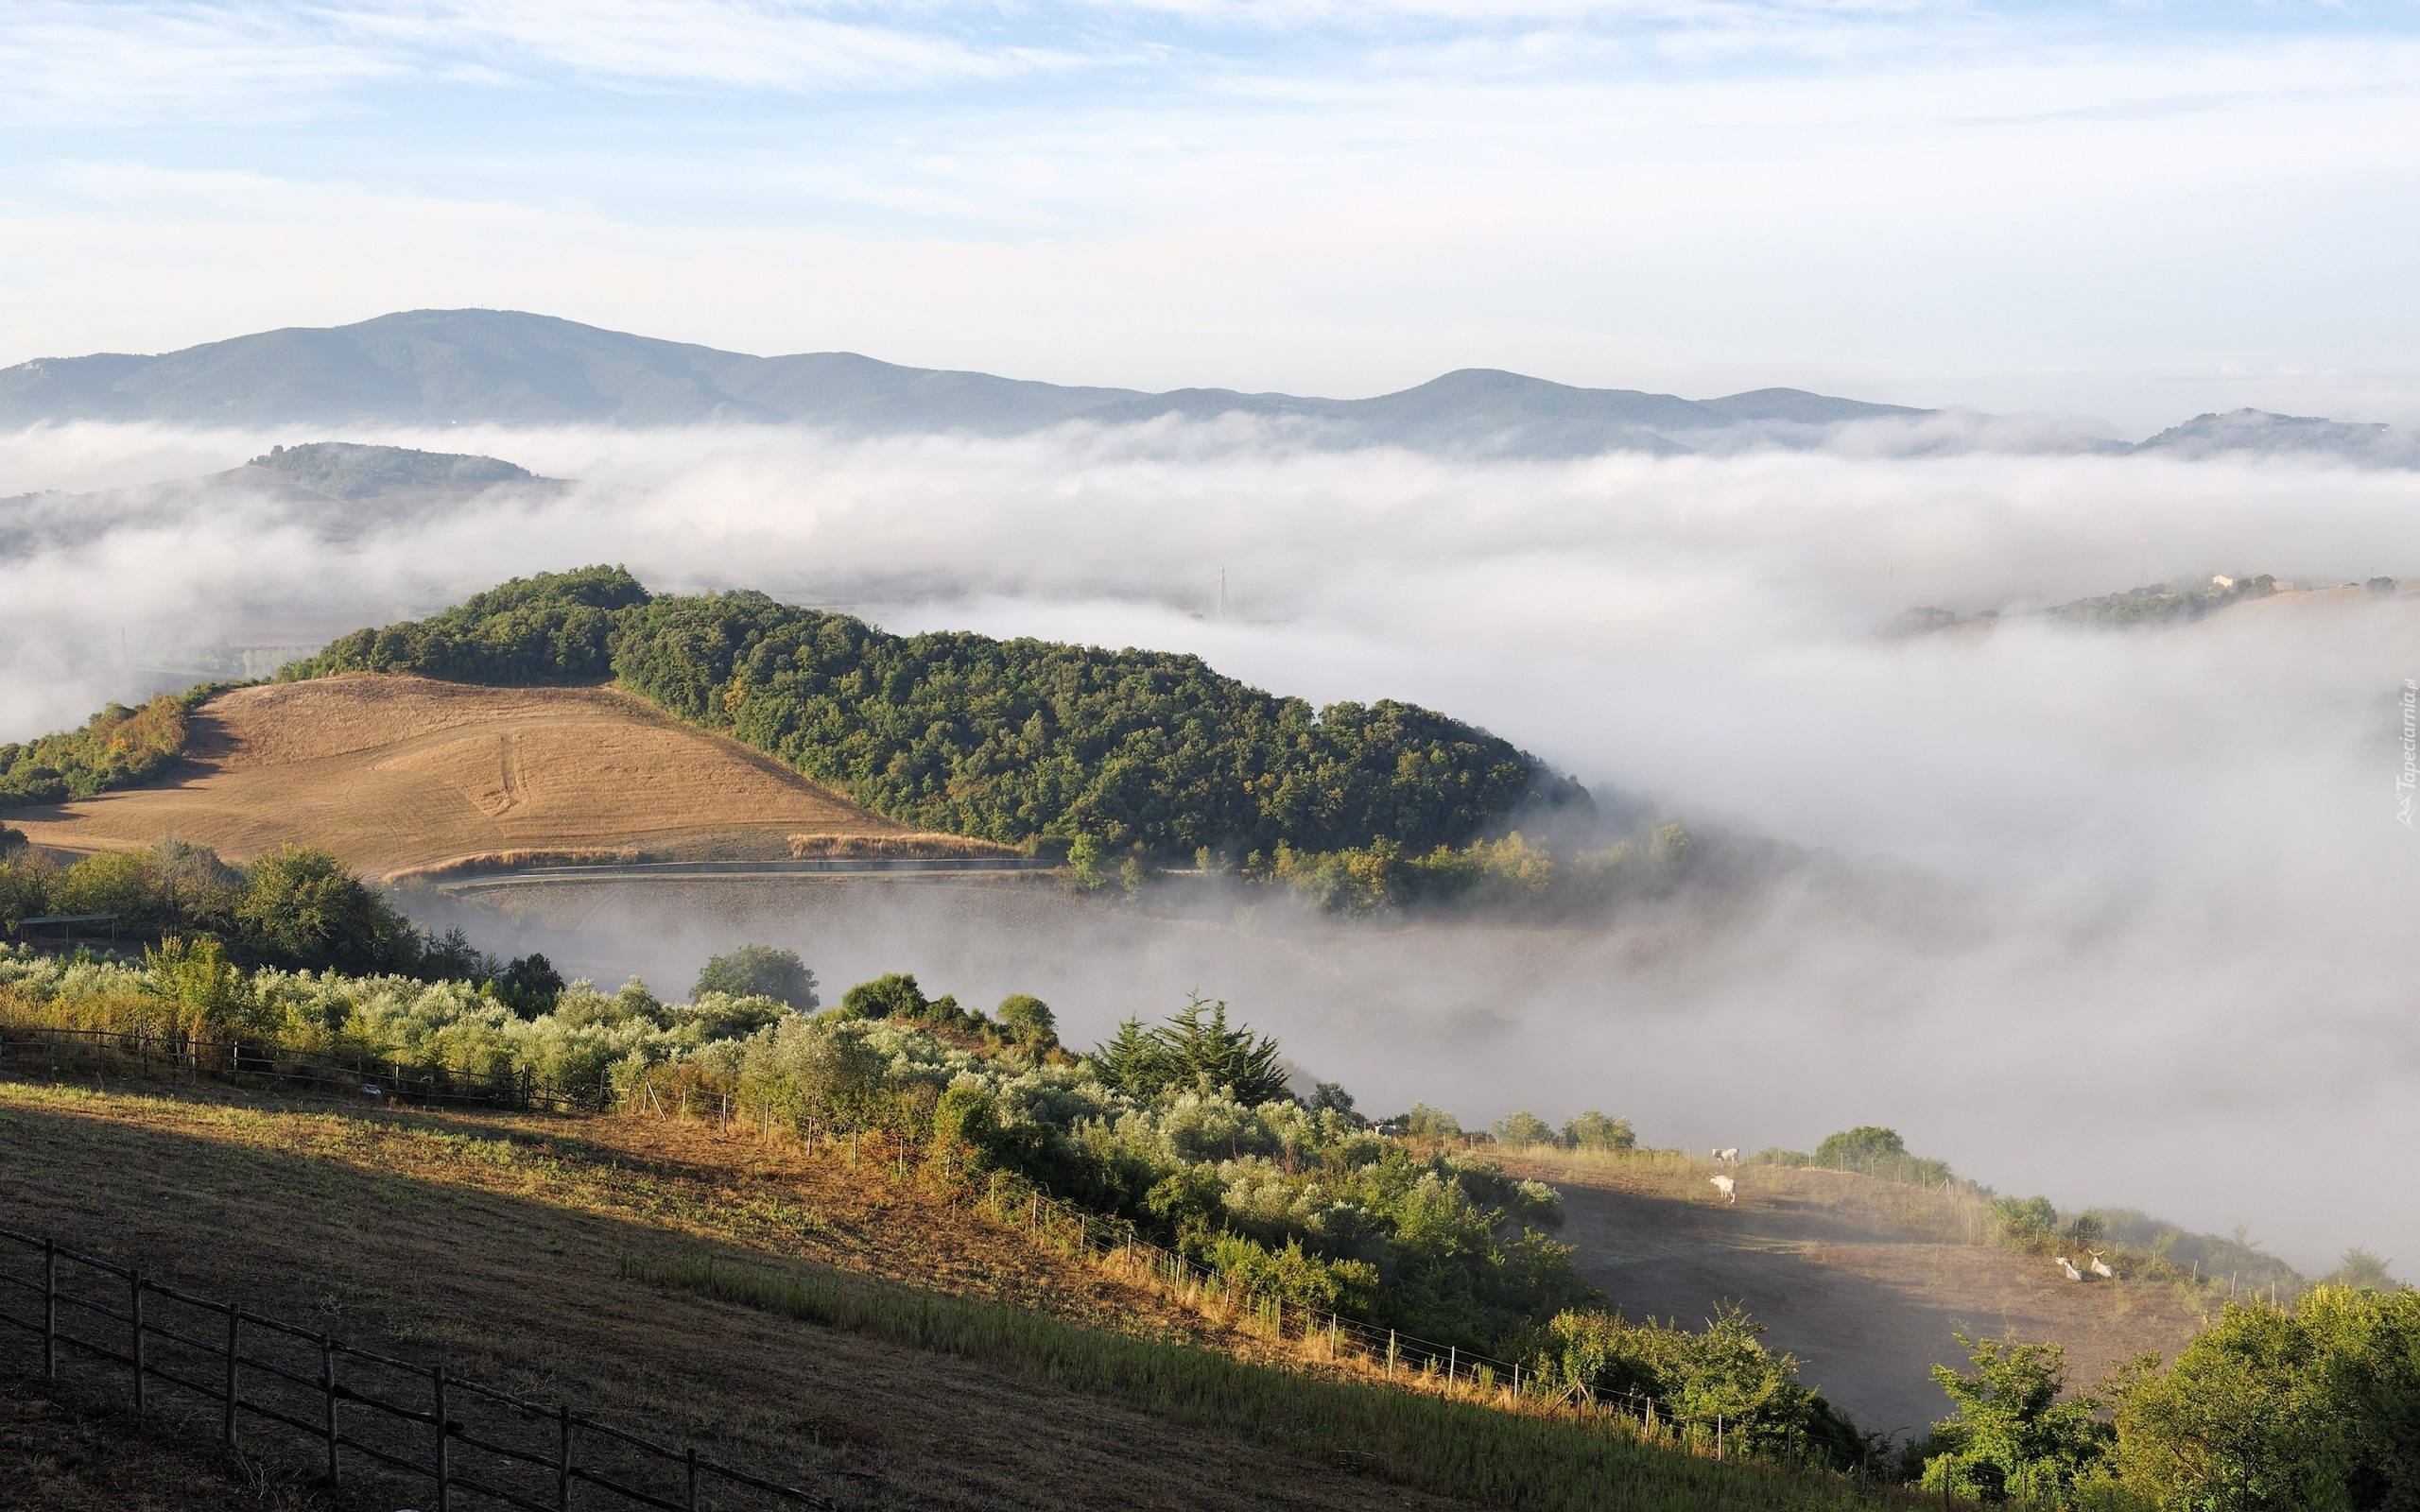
1729, 1156
1724, 1184
2067, 1268
2100, 1268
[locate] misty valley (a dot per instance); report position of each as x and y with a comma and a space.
1831, 958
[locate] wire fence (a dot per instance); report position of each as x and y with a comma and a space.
421, 1421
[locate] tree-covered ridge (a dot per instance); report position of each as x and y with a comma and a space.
117, 747
1006, 739
553, 628
997, 739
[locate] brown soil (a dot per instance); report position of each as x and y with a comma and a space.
1864, 1281
494, 1243
398, 772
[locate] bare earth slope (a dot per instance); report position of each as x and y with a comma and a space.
1863, 1280
390, 772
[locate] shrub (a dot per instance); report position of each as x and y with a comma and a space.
1524, 1129
760, 971
1593, 1130
1427, 1122
894, 995
1723, 1372
1876, 1151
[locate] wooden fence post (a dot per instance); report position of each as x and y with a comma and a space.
562, 1457
49, 1309
693, 1478
235, 1321
135, 1313
328, 1386
445, 1485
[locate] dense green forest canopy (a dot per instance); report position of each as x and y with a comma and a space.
999, 739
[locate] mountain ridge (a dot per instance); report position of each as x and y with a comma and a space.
457, 366
442, 368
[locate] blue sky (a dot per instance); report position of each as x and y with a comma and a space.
2134, 209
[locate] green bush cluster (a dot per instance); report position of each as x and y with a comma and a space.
2312, 1408
293, 908
1868, 1149
1720, 1379
1591, 1130
1512, 872
117, 748
1004, 740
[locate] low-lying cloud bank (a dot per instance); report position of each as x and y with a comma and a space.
2164, 968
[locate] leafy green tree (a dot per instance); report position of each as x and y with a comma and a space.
1877, 1151
2016, 1435
302, 908
1027, 1021
1593, 1130
894, 995
529, 986
1427, 1122
1719, 1379
26, 884
1329, 1096
760, 971
1084, 864
1524, 1129
2271, 1408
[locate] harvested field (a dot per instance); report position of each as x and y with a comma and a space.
1866, 1280
396, 773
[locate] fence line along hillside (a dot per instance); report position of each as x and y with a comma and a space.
462, 1438
1324, 1337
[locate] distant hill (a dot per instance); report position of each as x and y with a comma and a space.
2256, 432
342, 469
465, 367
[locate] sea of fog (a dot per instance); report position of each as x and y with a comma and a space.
2160, 892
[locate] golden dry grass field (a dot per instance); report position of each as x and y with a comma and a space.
393, 773
1866, 1280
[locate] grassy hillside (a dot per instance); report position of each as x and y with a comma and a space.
568, 1256
999, 740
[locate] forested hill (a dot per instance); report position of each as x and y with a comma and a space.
1003, 740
